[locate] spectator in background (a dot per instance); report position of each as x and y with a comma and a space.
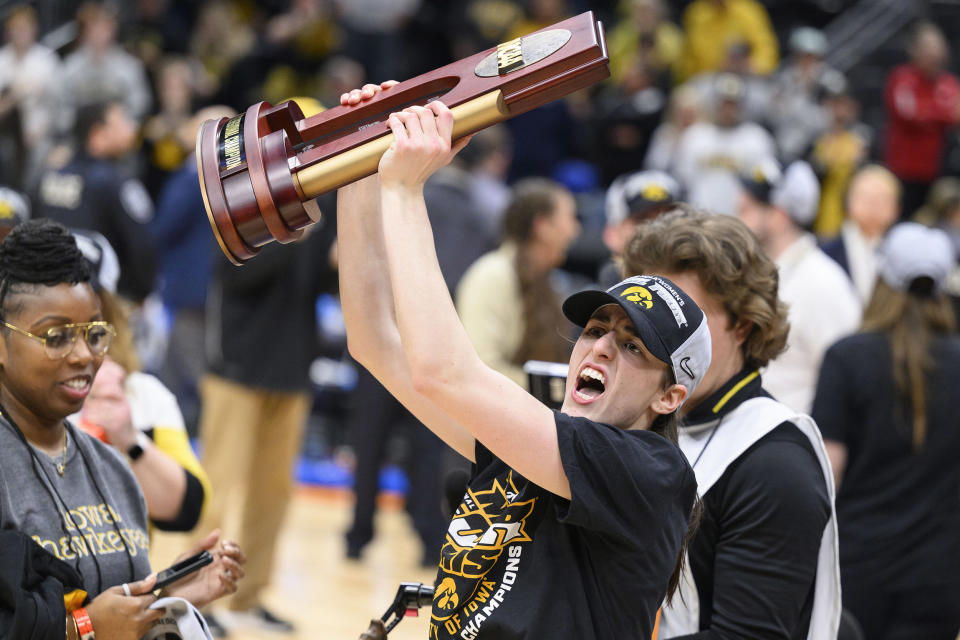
543, 138
630, 200
373, 34
220, 37
164, 146
755, 102
711, 26
539, 15
489, 154
255, 397
90, 192
482, 24
506, 301
645, 32
683, 111
295, 44
942, 211
822, 304
460, 232
159, 28
627, 114
873, 204
185, 254
796, 113
98, 68
923, 102
712, 154
887, 405
28, 98
836, 155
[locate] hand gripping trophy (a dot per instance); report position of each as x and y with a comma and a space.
261, 170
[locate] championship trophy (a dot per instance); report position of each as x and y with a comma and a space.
261, 170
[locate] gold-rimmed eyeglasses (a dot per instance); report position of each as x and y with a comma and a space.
59, 341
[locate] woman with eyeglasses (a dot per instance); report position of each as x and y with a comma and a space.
71, 494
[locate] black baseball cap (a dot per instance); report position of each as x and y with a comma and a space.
671, 325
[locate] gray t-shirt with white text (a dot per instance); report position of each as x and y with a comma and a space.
93, 517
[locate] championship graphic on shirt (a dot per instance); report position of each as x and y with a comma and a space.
488, 524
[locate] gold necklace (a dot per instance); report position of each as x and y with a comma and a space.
62, 464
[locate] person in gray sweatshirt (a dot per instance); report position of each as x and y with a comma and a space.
71, 494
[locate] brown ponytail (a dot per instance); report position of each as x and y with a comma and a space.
911, 321
543, 319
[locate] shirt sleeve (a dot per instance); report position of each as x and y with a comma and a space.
621, 481
155, 410
831, 404
771, 509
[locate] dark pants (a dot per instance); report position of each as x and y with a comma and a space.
374, 417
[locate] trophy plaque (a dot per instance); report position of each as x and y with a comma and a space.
261, 170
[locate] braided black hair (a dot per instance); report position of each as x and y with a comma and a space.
39, 252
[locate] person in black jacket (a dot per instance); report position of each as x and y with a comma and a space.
94, 192
255, 398
763, 560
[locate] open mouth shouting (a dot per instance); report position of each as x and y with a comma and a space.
589, 386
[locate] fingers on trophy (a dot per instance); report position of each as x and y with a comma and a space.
262, 170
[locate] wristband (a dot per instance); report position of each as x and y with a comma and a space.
84, 625
136, 450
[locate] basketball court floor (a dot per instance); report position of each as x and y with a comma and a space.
327, 596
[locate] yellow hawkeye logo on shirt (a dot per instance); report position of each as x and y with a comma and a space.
638, 295
480, 559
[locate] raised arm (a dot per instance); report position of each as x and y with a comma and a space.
368, 310
443, 365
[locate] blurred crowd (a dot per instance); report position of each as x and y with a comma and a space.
728, 105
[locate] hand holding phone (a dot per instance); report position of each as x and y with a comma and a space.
182, 569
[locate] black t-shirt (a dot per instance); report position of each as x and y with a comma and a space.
754, 556
898, 510
521, 562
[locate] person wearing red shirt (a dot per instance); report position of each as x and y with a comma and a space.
923, 102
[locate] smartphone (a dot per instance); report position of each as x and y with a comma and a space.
182, 569
546, 381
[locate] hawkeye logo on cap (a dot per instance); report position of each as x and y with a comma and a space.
638, 295
654, 193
